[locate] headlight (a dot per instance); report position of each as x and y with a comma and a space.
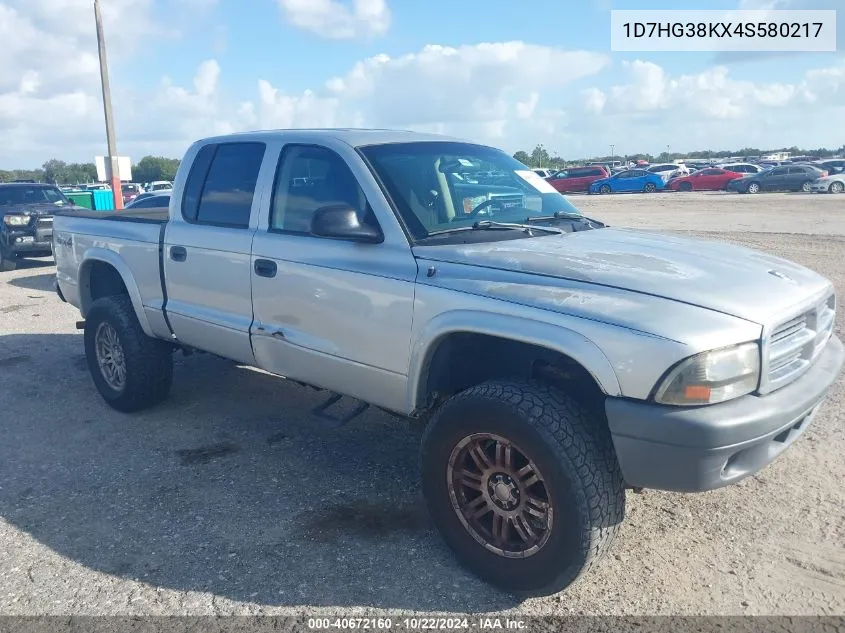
712, 377
16, 220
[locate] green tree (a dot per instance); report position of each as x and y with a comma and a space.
540, 157
55, 171
522, 157
151, 168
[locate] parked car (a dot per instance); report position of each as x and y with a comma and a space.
149, 194
159, 185
130, 191
742, 168
832, 165
577, 178
834, 183
151, 201
552, 360
781, 178
665, 170
26, 229
710, 179
629, 181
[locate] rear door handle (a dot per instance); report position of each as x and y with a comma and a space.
178, 253
265, 268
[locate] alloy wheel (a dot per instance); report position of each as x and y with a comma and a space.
110, 356
499, 495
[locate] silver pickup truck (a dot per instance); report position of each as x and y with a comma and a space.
553, 361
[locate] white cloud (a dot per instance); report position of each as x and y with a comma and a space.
713, 109
511, 94
336, 19
476, 84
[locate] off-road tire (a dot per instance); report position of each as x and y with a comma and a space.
149, 362
569, 444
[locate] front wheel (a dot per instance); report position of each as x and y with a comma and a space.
836, 187
7, 261
523, 484
130, 370
604, 189
650, 187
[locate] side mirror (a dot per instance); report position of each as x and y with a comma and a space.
340, 222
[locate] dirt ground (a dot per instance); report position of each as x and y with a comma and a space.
229, 498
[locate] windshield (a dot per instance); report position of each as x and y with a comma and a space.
32, 195
439, 186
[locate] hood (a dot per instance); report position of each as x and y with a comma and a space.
730, 279
38, 208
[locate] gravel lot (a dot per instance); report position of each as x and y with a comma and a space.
230, 499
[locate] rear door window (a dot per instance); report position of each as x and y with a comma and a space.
221, 184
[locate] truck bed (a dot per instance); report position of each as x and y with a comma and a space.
129, 240
156, 215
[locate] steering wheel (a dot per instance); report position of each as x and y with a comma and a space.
477, 210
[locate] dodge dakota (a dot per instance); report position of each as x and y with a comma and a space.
553, 361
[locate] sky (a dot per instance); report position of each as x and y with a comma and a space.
509, 73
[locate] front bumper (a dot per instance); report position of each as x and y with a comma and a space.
691, 449
820, 187
36, 238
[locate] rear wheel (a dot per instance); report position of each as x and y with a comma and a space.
130, 370
523, 484
807, 186
836, 187
650, 187
685, 186
605, 189
753, 188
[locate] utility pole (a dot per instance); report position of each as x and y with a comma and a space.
612, 154
112, 169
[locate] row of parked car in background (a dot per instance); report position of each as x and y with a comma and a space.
823, 176
130, 191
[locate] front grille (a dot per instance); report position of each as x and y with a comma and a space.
44, 222
794, 345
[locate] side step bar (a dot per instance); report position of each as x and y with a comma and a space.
321, 412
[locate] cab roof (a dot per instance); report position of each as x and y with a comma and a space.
355, 137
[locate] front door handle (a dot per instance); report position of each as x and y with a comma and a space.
178, 253
265, 268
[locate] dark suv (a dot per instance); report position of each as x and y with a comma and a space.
26, 220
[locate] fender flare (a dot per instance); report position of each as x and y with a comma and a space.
552, 337
106, 256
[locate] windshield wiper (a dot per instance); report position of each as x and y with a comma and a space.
562, 215
487, 225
